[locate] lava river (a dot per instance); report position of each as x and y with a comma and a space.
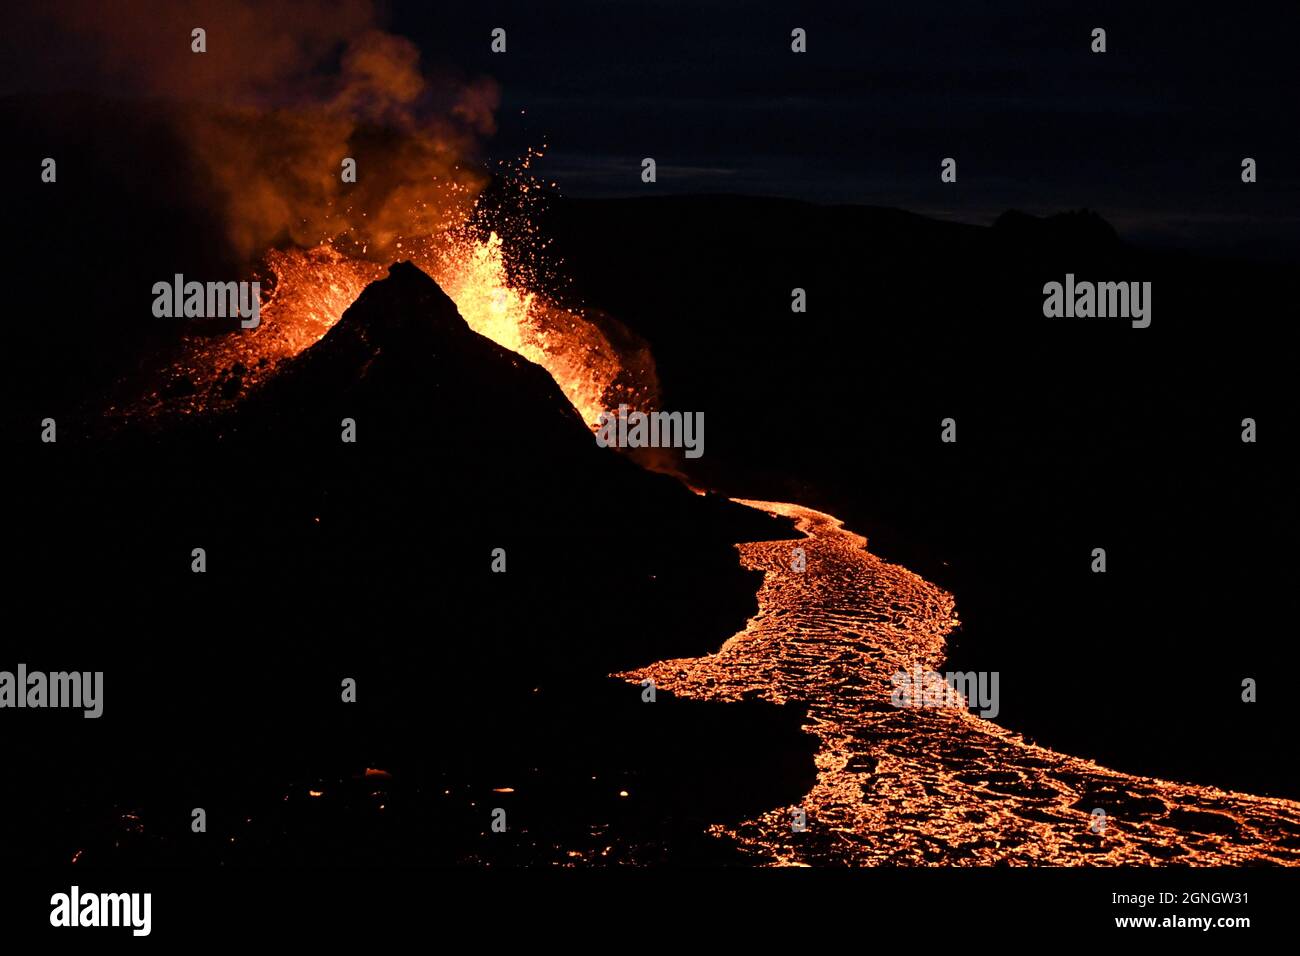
933, 785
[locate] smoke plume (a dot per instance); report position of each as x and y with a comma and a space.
285, 92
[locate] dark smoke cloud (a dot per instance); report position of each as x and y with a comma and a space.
285, 91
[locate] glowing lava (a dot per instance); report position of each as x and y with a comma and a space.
934, 785
310, 289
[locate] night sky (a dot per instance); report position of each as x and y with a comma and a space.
1151, 134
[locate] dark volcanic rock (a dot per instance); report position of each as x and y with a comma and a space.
403, 352
455, 432
1201, 821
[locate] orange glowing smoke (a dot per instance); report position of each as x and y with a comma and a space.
289, 89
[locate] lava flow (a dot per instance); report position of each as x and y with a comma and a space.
934, 785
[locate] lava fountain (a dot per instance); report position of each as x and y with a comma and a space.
306, 291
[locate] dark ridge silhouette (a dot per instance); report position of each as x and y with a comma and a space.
1081, 227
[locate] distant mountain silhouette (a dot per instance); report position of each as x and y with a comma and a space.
1075, 229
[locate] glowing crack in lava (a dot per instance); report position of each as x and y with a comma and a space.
933, 785
310, 289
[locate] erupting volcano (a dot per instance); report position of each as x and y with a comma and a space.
309, 289
423, 597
